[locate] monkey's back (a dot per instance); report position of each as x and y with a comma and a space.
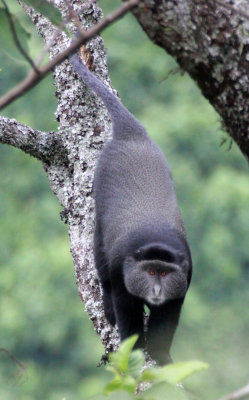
133, 188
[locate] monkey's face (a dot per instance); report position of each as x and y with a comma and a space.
154, 281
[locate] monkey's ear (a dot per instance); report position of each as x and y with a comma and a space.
181, 259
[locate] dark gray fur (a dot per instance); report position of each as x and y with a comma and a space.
139, 234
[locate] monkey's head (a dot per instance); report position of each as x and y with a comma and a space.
156, 273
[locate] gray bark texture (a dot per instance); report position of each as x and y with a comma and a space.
84, 128
210, 41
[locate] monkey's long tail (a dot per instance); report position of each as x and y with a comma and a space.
124, 123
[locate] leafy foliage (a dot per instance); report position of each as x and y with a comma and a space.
126, 366
174, 373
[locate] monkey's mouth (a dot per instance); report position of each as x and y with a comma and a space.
156, 300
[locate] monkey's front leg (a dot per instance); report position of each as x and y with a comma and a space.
161, 329
129, 314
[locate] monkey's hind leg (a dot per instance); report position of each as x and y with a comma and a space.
103, 272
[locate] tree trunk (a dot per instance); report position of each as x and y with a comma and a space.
84, 126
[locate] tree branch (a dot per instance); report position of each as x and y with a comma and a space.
44, 146
16, 39
15, 360
209, 39
241, 393
33, 77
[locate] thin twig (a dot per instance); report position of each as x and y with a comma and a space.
33, 78
16, 39
13, 358
241, 393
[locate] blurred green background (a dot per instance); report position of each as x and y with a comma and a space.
42, 319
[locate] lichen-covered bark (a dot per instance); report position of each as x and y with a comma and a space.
44, 146
84, 126
211, 43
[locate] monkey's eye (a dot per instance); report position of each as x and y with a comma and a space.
151, 272
163, 273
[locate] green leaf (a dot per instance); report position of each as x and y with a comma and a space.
147, 310
115, 384
47, 10
7, 43
135, 363
173, 373
120, 358
165, 391
120, 395
126, 383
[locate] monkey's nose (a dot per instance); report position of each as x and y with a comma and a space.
157, 290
